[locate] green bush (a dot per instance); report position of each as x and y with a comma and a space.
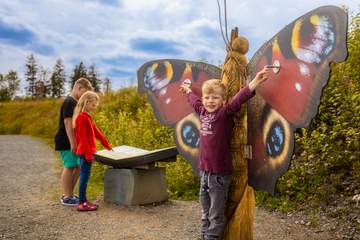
127, 119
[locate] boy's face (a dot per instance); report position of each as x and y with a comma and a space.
212, 101
79, 91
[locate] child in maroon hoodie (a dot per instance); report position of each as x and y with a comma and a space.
86, 132
216, 125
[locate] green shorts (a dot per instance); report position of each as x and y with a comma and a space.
69, 159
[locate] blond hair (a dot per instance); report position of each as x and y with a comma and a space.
213, 86
82, 103
84, 83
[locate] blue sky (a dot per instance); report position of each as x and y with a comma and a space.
118, 36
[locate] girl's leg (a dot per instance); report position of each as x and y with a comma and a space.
85, 170
75, 177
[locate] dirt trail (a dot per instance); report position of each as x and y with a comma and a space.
28, 177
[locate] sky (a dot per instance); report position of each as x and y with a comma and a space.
118, 36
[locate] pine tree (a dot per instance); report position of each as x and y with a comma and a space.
107, 85
13, 82
94, 78
57, 79
9, 84
42, 85
78, 72
30, 75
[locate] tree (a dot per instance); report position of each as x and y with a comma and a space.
9, 84
107, 85
30, 74
93, 77
78, 72
13, 82
57, 79
42, 85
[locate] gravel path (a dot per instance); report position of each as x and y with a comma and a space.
29, 183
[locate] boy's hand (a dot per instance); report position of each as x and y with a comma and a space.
260, 77
185, 86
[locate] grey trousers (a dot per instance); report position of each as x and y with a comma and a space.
213, 195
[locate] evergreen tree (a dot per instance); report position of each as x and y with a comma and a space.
94, 78
9, 84
57, 79
13, 82
30, 74
42, 85
107, 85
78, 72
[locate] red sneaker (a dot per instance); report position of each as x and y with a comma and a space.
86, 207
92, 203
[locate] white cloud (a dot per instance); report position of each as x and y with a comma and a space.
93, 30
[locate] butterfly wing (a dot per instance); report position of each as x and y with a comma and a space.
161, 79
289, 99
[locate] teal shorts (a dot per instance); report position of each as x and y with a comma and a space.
69, 159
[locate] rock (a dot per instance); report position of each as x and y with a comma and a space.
356, 199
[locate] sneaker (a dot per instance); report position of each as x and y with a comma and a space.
92, 204
86, 207
76, 199
68, 201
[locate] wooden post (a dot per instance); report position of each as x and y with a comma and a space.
241, 201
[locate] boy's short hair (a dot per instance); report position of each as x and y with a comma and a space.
213, 86
85, 83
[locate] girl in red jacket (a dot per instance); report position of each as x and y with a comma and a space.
85, 133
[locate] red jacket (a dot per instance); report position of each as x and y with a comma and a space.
85, 134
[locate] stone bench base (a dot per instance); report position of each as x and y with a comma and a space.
135, 186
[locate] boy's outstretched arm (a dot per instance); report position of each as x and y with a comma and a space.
193, 100
247, 92
260, 77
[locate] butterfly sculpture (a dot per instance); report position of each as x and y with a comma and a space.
300, 55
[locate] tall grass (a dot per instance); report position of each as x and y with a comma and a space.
36, 118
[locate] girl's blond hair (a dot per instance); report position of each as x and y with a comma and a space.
213, 86
81, 104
